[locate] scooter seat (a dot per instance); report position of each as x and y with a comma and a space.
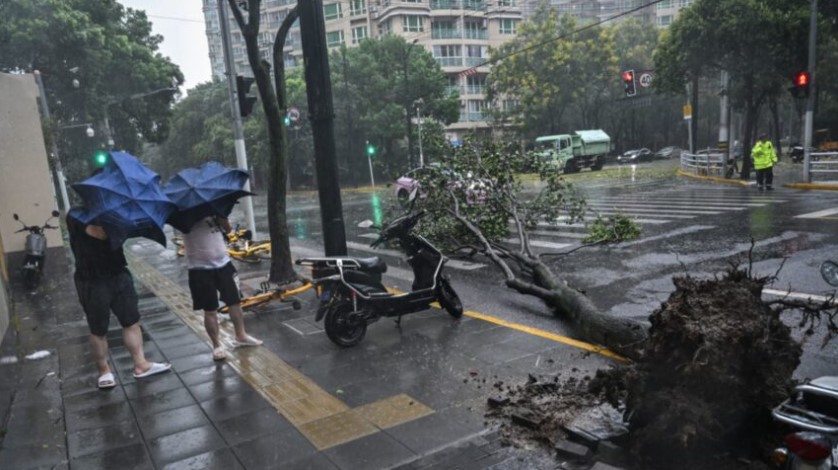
373, 264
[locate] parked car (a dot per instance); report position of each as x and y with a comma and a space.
668, 152
476, 189
635, 156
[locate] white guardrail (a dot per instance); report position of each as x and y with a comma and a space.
823, 162
705, 164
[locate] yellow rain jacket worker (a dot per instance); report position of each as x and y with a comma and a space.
764, 160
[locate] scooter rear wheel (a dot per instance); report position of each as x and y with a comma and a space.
343, 328
449, 299
31, 278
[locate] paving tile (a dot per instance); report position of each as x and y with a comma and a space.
336, 429
378, 450
172, 421
131, 457
274, 450
32, 456
250, 426
206, 373
219, 388
163, 401
97, 440
221, 459
221, 408
393, 411
94, 398
310, 462
195, 361
193, 349
156, 384
184, 444
87, 418
428, 433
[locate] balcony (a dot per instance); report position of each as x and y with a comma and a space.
474, 5
474, 61
472, 116
445, 4
475, 89
449, 61
476, 34
451, 89
446, 33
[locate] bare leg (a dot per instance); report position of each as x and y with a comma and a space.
99, 348
211, 325
133, 337
237, 317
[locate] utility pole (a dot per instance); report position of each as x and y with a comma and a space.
241, 152
322, 115
724, 139
419, 104
810, 102
59, 171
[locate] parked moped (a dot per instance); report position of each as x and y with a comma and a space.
35, 251
813, 410
352, 295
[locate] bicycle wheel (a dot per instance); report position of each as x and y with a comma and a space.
262, 251
246, 258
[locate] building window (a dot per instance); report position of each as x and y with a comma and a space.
506, 3
357, 7
507, 26
358, 34
333, 11
411, 1
334, 38
684, 3
384, 28
413, 24
665, 20
664, 4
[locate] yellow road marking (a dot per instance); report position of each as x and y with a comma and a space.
715, 179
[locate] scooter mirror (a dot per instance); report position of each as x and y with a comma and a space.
365, 224
55, 213
15, 216
829, 272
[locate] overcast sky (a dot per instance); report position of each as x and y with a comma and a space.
181, 23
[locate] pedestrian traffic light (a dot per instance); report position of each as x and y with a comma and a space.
628, 83
100, 158
243, 85
801, 82
286, 120
370, 150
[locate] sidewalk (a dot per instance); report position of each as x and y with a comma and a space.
400, 399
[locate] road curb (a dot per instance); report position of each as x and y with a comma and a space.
819, 186
715, 179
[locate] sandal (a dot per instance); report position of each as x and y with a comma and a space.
218, 354
106, 381
247, 341
156, 368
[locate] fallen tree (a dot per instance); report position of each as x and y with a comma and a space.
479, 200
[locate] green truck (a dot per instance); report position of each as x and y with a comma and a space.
572, 152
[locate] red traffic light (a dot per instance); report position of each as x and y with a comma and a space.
801, 79
628, 76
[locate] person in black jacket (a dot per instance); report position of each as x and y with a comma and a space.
105, 285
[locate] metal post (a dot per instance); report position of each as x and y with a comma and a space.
419, 126
322, 115
689, 122
810, 102
369, 159
241, 152
59, 171
724, 139
108, 131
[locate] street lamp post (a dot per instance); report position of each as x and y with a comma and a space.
407, 100
135, 96
419, 104
59, 170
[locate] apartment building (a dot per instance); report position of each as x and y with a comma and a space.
458, 33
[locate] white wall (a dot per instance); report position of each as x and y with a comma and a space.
25, 180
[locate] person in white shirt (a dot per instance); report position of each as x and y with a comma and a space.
211, 272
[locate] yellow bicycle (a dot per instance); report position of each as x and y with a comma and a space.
267, 294
239, 246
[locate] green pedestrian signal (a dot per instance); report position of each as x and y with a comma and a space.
370, 150
100, 158
286, 121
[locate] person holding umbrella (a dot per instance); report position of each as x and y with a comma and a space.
211, 272
205, 197
105, 285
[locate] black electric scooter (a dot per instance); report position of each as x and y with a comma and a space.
352, 295
35, 251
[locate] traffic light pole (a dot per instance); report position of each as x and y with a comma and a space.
369, 159
230, 70
810, 102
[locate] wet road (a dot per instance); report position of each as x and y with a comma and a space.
688, 227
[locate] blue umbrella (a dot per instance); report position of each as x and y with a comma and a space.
211, 189
126, 199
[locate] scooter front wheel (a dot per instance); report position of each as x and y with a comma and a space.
344, 327
449, 299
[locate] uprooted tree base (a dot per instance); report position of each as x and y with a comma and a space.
716, 361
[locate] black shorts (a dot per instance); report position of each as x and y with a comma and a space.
206, 284
100, 297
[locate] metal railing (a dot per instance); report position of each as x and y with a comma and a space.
823, 162
705, 164
446, 33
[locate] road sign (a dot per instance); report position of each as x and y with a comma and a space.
293, 114
688, 111
646, 79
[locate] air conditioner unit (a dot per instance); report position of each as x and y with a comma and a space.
484, 24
